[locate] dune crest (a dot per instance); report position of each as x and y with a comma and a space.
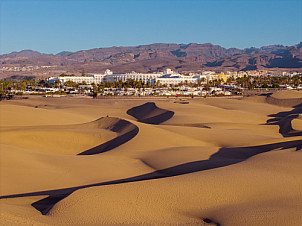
150, 113
227, 161
223, 157
282, 98
125, 131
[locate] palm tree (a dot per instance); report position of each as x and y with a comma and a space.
58, 83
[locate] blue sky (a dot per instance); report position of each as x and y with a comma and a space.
51, 26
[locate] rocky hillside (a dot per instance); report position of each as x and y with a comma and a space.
158, 56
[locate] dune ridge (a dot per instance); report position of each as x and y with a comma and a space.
282, 98
125, 130
284, 102
266, 166
150, 113
224, 157
147, 113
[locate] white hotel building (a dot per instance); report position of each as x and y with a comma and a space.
175, 79
145, 78
168, 77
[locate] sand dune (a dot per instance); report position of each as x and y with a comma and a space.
287, 95
212, 161
56, 140
98, 136
150, 113
124, 129
283, 98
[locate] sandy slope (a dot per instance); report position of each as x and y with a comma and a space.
297, 123
55, 140
207, 144
190, 198
287, 94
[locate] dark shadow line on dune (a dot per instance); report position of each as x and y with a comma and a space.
125, 131
158, 119
197, 125
284, 121
158, 115
181, 102
209, 221
224, 157
113, 143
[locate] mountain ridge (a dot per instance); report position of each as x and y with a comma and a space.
33, 53
192, 57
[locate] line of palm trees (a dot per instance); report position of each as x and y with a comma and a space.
244, 82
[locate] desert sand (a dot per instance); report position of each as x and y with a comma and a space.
152, 161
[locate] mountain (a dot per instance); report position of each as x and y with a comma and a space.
159, 56
264, 58
23, 53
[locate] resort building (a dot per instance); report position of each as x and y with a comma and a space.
171, 79
96, 79
168, 77
145, 78
175, 79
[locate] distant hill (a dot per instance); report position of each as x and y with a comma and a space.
23, 53
155, 57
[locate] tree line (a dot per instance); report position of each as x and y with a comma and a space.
246, 82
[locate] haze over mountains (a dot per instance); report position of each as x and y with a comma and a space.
191, 57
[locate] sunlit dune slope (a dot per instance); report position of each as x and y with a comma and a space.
220, 195
229, 161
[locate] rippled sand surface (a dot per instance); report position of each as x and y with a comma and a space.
151, 161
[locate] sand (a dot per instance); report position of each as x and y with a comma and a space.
151, 161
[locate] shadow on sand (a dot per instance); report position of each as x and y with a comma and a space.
284, 121
224, 157
125, 131
149, 113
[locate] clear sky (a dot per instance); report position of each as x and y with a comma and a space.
52, 26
